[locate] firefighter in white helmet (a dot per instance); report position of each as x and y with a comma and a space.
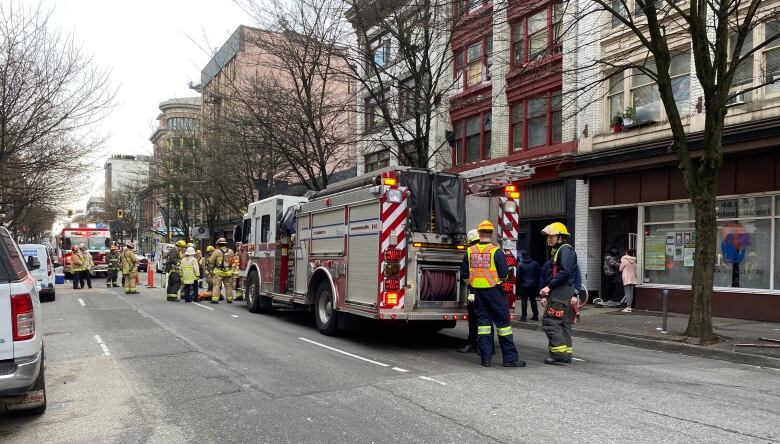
220, 261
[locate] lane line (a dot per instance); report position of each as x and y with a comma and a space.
578, 359
102, 345
402, 370
235, 316
345, 353
203, 306
81, 301
427, 378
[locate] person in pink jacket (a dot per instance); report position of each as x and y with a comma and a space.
628, 269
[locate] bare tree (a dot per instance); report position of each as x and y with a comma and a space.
717, 33
51, 95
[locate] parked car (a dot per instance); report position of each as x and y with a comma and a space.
22, 360
44, 276
143, 263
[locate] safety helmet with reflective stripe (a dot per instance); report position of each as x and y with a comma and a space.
221, 241
209, 249
472, 236
181, 243
485, 225
555, 228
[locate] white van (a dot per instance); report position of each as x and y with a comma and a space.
44, 276
159, 256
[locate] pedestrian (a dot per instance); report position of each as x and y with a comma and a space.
471, 345
172, 268
484, 268
76, 265
527, 285
129, 268
220, 261
89, 264
628, 270
558, 294
190, 272
112, 266
611, 270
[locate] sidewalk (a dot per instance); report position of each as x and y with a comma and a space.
643, 329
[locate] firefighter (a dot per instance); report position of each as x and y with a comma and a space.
201, 271
220, 261
89, 264
208, 268
129, 268
484, 268
190, 272
112, 261
172, 268
472, 237
558, 293
239, 291
76, 265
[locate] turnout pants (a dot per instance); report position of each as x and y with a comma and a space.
493, 308
111, 276
556, 323
77, 279
129, 281
174, 285
218, 281
190, 292
85, 276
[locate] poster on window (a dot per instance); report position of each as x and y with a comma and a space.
670, 238
655, 253
688, 256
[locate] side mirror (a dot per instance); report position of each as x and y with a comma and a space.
108, 242
237, 233
66, 244
33, 263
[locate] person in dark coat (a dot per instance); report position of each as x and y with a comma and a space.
527, 285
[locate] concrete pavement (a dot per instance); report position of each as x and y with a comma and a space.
175, 372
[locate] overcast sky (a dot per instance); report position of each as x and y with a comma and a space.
154, 48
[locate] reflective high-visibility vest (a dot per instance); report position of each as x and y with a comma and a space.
188, 274
482, 266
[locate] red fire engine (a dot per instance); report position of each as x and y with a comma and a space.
95, 237
386, 246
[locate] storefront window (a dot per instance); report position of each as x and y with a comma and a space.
743, 243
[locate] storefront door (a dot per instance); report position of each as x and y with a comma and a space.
618, 230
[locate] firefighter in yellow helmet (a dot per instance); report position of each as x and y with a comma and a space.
484, 268
208, 271
221, 262
173, 270
558, 295
472, 238
129, 268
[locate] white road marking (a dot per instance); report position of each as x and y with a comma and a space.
345, 353
81, 301
203, 306
402, 370
102, 345
432, 380
577, 359
235, 316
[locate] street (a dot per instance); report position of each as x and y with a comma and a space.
135, 368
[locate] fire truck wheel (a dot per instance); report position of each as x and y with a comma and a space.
252, 293
324, 313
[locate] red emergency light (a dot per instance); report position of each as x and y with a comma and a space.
511, 260
392, 255
390, 179
390, 299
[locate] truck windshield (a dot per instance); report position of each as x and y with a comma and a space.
92, 243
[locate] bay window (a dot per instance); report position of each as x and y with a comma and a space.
536, 35
472, 138
536, 121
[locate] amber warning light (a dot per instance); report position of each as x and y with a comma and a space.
512, 191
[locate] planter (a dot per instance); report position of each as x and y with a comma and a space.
627, 121
617, 128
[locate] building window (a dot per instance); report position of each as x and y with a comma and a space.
407, 98
619, 7
743, 77
378, 54
377, 160
373, 114
537, 36
472, 64
468, 6
615, 94
537, 121
645, 98
680, 72
472, 138
641, 5
772, 58
746, 228
408, 154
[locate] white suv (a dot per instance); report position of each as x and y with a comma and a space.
22, 385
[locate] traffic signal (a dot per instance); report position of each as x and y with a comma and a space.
119, 213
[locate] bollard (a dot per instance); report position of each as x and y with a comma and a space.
149, 277
666, 307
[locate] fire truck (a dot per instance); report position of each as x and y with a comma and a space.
385, 246
95, 237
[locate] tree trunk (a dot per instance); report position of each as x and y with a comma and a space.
700, 319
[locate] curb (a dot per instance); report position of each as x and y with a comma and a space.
667, 346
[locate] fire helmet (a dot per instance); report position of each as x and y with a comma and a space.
181, 243
485, 225
221, 241
130, 245
472, 236
555, 228
209, 249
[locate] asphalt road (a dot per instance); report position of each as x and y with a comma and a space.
135, 368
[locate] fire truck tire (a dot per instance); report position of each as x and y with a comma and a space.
324, 313
253, 293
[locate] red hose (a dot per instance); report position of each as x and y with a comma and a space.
437, 285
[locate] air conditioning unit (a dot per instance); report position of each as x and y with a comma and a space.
737, 99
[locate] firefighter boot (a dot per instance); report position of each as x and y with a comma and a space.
217, 290
228, 290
